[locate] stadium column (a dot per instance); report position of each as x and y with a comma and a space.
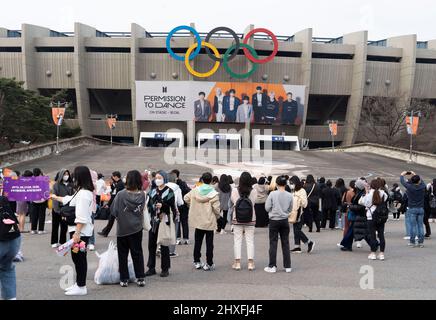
407, 65
81, 32
29, 33
352, 119
247, 129
305, 38
190, 124
137, 32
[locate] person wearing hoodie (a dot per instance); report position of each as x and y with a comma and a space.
224, 191
128, 209
204, 210
395, 197
62, 187
172, 178
262, 219
241, 204
162, 208
299, 203
279, 205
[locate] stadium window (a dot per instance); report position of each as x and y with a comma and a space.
383, 58
108, 49
54, 49
426, 60
222, 51
337, 56
10, 49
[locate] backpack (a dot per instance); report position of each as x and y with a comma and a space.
381, 213
395, 196
244, 209
8, 222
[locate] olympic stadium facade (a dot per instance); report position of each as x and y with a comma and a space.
100, 71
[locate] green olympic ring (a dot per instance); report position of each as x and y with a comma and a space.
255, 66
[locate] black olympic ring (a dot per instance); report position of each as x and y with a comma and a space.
233, 34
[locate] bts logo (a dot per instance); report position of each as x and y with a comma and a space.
164, 90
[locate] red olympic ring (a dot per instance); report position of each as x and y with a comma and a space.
274, 39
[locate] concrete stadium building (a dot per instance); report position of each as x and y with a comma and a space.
99, 70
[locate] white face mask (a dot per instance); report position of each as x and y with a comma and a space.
292, 186
159, 182
65, 178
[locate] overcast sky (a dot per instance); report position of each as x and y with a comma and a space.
328, 18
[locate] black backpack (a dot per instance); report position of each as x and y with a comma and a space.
8, 231
244, 209
381, 213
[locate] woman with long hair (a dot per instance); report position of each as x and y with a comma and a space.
224, 191
243, 219
374, 198
311, 213
82, 200
262, 219
342, 189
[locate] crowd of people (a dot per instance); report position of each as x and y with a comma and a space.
165, 206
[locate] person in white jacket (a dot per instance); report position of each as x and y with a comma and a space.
178, 197
82, 200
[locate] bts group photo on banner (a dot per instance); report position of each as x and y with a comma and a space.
259, 103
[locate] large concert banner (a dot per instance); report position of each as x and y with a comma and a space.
232, 102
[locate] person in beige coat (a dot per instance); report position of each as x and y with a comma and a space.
204, 210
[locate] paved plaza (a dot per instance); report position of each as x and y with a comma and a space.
327, 273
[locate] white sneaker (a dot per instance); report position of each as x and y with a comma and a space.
359, 245
372, 256
41, 232
339, 245
270, 270
91, 247
223, 232
186, 242
33, 232
55, 245
381, 257
198, 265
288, 270
70, 288
77, 291
178, 242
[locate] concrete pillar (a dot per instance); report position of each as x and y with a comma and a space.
190, 124
81, 32
29, 33
407, 64
360, 41
250, 43
305, 37
431, 44
3, 33
137, 32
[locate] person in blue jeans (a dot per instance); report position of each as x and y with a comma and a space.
10, 241
415, 190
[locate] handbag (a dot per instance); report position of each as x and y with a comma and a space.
166, 235
68, 213
147, 219
293, 217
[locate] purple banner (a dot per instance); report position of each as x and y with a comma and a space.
27, 188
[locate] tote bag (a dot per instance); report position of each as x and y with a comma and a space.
166, 235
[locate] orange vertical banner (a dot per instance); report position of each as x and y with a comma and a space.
412, 125
57, 114
333, 127
111, 122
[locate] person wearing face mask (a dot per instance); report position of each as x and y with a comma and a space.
271, 109
116, 186
162, 208
63, 187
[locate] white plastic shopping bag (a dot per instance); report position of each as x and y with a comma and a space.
147, 218
108, 267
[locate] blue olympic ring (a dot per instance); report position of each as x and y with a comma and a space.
194, 32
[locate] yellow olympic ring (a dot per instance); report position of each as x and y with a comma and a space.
205, 74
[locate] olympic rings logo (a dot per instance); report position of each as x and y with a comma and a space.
231, 53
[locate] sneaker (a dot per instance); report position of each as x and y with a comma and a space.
296, 250
33, 232
164, 274
372, 256
427, 236
381, 257
410, 244
288, 270
178, 242
55, 245
310, 246
91, 247
270, 269
251, 266
70, 288
406, 238
42, 232
421, 245
340, 246
124, 284
198, 265
19, 257
236, 266
150, 272
140, 282
223, 232
186, 242
77, 291
346, 249
359, 245
207, 267
173, 255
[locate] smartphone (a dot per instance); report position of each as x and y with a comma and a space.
408, 173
